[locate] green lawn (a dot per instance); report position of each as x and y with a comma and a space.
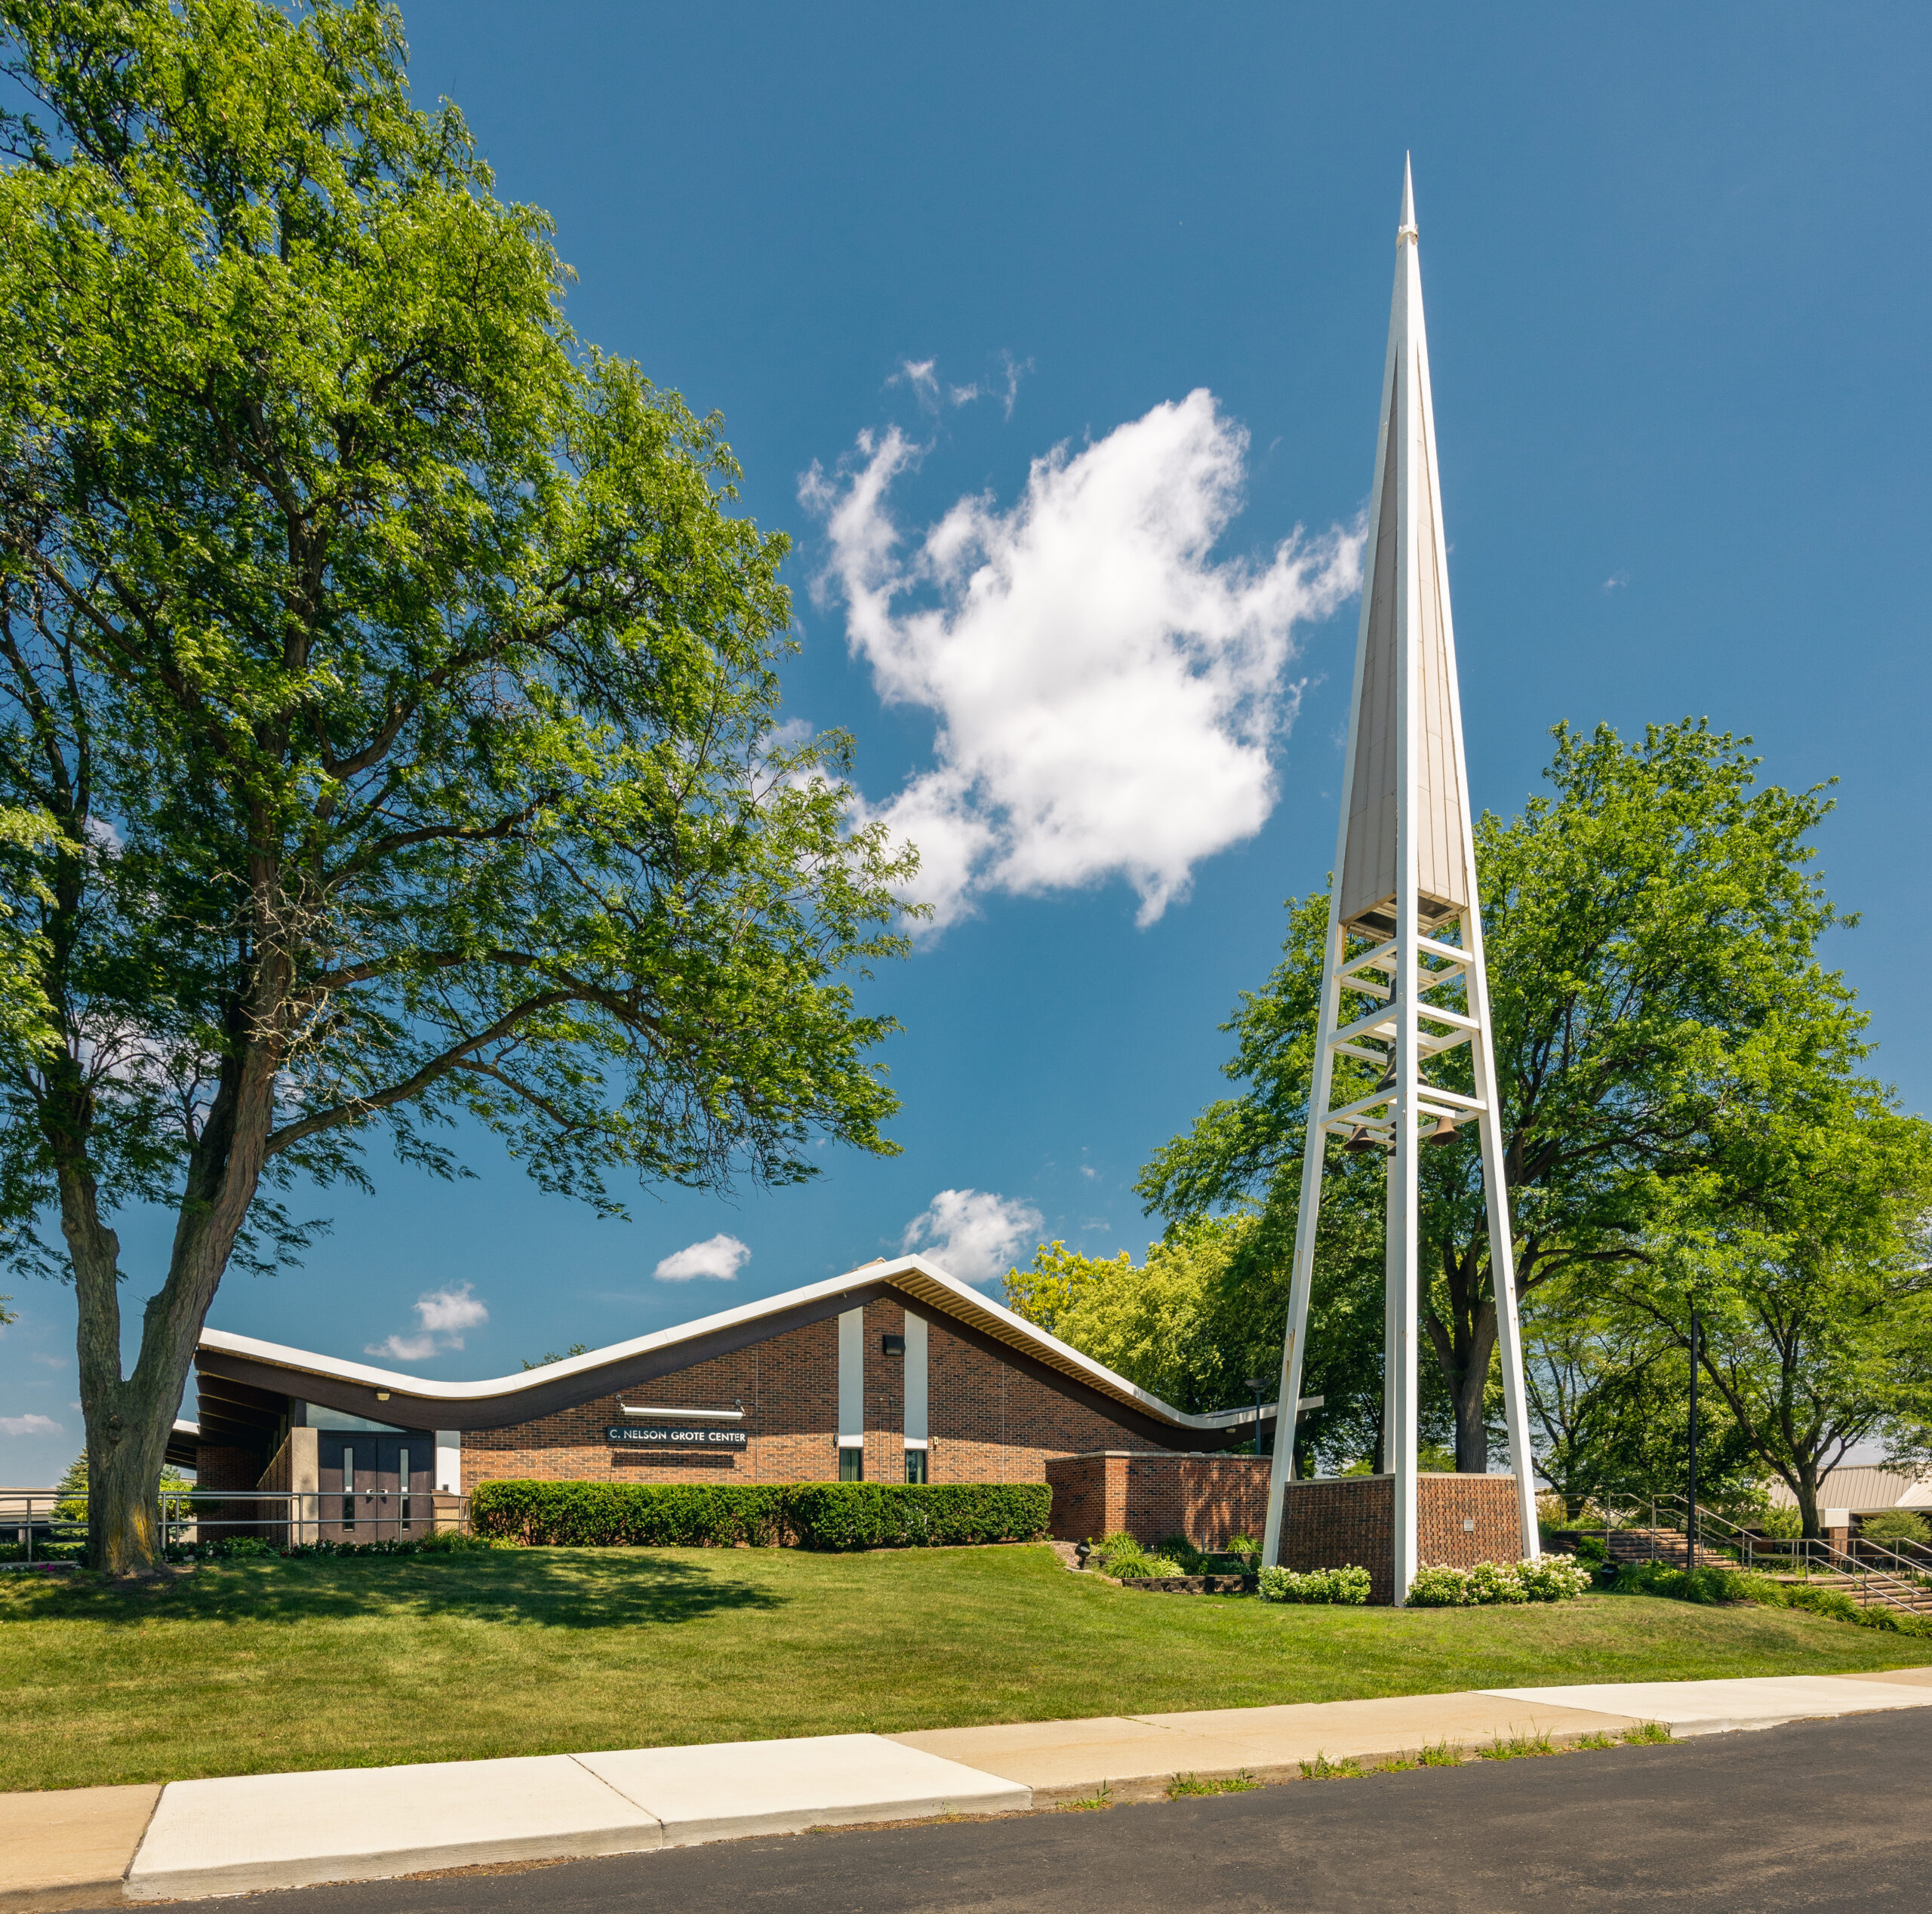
244, 1667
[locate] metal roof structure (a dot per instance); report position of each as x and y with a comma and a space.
1864, 1491
244, 1383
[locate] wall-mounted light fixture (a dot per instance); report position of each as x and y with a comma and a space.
893, 1345
683, 1415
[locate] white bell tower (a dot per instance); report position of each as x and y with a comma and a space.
1403, 980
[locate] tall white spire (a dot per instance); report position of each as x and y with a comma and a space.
1396, 991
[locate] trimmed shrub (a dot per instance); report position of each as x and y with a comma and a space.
1348, 1586
832, 1515
1553, 1579
899, 1514
1497, 1581
1437, 1586
634, 1515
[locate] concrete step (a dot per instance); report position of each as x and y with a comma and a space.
1664, 1545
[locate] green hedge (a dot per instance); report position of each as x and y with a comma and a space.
1736, 1585
896, 1515
808, 1515
614, 1514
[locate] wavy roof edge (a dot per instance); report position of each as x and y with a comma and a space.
922, 1281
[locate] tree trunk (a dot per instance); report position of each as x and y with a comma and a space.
1471, 1431
1464, 1347
1808, 1501
129, 1420
127, 1445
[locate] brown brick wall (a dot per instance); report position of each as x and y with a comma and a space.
988, 1422
1346, 1521
229, 1468
1343, 1521
1207, 1498
222, 1468
1489, 1502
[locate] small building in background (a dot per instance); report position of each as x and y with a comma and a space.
1846, 1496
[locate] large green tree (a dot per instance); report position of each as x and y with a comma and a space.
1650, 927
1609, 1402
1805, 1256
1201, 1315
398, 684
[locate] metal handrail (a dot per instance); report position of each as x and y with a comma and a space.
1855, 1563
303, 1510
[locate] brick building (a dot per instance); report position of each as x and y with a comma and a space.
894, 1372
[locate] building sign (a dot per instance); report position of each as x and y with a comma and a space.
648, 1436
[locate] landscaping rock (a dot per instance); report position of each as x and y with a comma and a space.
1194, 1584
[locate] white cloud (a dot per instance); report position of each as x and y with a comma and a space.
720, 1256
922, 376
49, 1361
441, 1316
404, 1349
448, 1310
1014, 368
1088, 1170
972, 1234
28, 1426
1108, 696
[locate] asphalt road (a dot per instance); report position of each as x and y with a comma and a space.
1824, 1814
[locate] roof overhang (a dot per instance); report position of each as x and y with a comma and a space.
238, 1373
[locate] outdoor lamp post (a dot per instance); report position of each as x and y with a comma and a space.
1690, 1499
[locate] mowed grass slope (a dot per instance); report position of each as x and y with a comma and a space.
250, 1667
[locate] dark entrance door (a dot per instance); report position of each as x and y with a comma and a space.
375, 1487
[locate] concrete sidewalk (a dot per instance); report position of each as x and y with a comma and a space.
95, 1848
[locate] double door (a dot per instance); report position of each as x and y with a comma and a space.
375, 1487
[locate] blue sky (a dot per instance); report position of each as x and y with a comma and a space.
1676, 286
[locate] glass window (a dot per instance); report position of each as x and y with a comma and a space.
402, 1485
851, 1465
348, 1486
915, 1465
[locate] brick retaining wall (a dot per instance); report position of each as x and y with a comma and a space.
1207, 1498
1344, 1520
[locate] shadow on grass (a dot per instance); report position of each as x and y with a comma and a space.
536, 1587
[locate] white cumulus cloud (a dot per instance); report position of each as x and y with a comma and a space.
28, 1425
972, 1234
720, 1256
1109, 695
441, 1317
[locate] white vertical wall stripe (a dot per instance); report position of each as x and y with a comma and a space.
851, 1378
449, 1461
916, 1430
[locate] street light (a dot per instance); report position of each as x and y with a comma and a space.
1255, 1385
1691, 1500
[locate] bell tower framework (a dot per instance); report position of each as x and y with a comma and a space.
1403, 981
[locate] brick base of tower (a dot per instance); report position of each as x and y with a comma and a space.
1350, 1520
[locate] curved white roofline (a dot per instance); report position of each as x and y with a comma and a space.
923, 1282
